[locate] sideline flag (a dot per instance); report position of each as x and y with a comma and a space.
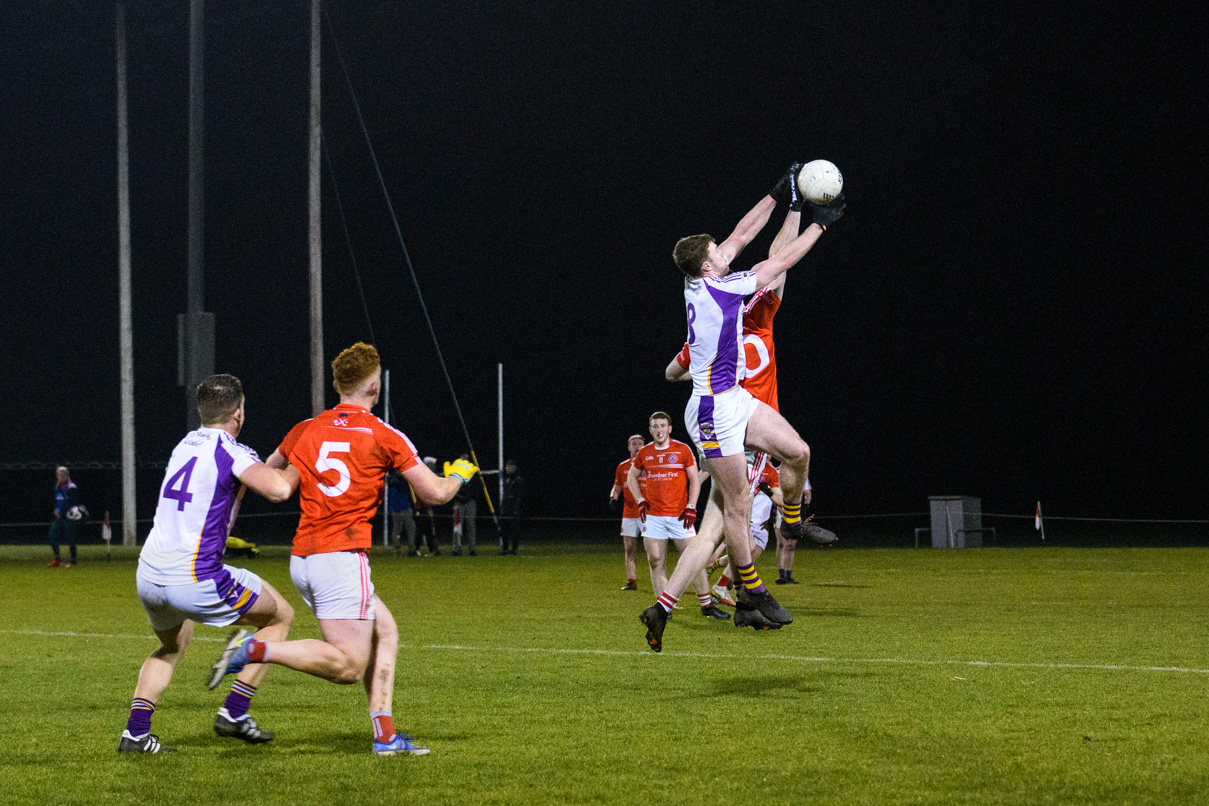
1037, 524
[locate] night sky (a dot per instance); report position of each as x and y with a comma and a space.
1013, 307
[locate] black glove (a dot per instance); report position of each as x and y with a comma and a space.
765, 488
786, 188
827, 214
615, 504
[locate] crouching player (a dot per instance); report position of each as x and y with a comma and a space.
181, 577
342, 456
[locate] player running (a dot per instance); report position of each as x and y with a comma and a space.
342, 456
181, 578
666, 505
621, 498
723, 418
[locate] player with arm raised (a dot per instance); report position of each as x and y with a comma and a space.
723, 418
620, 498
181, 577
342, 456
760, 379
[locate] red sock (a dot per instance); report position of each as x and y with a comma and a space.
384, 726
257, 651
705, 600
724, 581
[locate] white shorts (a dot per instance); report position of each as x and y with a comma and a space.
666, 527
213, 602
335, 585
631, 527
761, 510
718, 423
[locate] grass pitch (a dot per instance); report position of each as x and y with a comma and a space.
1013, 676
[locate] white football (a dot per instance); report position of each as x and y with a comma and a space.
820, 181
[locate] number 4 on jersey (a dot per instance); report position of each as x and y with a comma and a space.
180, 495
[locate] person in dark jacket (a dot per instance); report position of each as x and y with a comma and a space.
510, 508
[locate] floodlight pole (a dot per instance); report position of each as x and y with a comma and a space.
195, 327
316, 242
125, 331
500, 426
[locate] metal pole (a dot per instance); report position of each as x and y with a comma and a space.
315, 236
385, 484
125, 332
195, 327
197, 189
500, 426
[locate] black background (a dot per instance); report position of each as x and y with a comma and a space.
1013, 307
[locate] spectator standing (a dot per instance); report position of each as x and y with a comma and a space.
67, 513
402, 514
510, 508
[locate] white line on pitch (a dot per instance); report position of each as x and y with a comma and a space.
807, 659
706, 655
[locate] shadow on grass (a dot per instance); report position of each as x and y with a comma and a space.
837, 585
814, 612
762, 685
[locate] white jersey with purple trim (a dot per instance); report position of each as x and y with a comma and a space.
715, 330
201, 483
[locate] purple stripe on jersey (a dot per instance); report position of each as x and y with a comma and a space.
208, 562
705, 427
232, 592
723, 372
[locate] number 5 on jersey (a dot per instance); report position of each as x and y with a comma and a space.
326, 462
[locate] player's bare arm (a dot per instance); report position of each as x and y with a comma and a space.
275, 485
694, 485
675, 372
769, 271
632, 482
789, 230
748, 228
773, 270
277, 461
435, 490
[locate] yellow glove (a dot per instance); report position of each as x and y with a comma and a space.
463, 469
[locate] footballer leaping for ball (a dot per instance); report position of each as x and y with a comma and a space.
722, 417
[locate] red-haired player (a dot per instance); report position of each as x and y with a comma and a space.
343, 455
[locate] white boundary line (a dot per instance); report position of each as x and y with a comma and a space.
1105, 667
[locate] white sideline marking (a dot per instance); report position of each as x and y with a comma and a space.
808, 659
1113, 667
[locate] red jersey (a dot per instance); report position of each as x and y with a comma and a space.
342, 456
666, 472
758, 351
629, 507
770, 476
759, 354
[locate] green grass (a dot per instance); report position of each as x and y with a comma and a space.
551, 697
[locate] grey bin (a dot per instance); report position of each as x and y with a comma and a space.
957, 522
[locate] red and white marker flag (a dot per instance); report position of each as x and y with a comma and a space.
1038, 524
